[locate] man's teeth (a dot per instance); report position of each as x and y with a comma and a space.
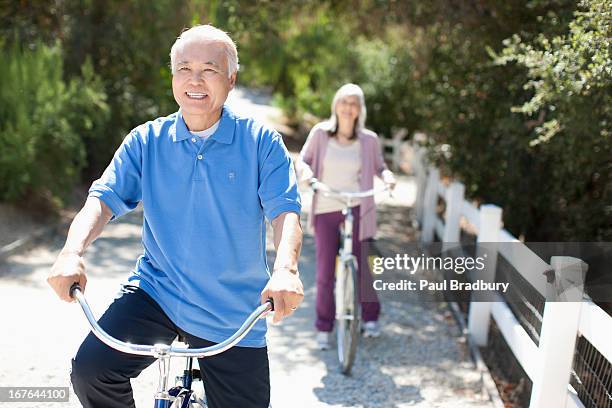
196, 95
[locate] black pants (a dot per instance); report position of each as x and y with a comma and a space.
237, 378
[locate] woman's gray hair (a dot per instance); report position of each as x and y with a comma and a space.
345, 90
207, 32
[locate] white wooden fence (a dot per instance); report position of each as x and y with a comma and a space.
548, 363
392, 148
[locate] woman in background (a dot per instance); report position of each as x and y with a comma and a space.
346, 156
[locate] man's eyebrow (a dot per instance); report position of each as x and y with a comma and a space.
213, 63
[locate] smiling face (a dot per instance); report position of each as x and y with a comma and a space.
200, 83
347, 109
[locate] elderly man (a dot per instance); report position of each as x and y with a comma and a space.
206, 179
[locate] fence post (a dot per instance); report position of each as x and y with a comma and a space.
429, 205
398, 137
419, 169
452, 215
558, 334
479, 317
420, 173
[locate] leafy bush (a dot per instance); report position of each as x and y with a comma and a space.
41, 120
547, 161
570, 112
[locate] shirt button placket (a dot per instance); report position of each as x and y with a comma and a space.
199, 166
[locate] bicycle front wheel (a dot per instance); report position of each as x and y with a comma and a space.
347, 328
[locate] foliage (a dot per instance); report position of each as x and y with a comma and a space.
574, 65
298, 49
384, 64
41, 123
514, 95
570, 111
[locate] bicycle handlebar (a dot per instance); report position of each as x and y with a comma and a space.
165, 349
328, 191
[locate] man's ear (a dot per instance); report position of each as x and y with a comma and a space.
232, 80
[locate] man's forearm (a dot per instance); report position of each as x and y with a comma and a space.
287, 240
87, 226
285, 286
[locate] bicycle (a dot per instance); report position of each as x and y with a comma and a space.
346, 284
182, 394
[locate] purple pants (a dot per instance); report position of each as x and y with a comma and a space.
326, 241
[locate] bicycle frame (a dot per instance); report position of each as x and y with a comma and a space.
347, 316
164, 352
345, 254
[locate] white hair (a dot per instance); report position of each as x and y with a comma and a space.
344, 91
207, 32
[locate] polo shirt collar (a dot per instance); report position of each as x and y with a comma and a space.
227, 126
224, 133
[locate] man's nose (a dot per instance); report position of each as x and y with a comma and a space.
197, 77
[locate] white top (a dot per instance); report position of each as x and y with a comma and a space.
208, 132
341, 171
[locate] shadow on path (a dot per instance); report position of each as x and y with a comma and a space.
113, 254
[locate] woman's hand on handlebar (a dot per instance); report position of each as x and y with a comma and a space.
389, 179
69, 268
316, 185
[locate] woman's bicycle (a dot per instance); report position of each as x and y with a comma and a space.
345, 290
181, 395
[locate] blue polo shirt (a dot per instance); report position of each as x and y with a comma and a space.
204, 203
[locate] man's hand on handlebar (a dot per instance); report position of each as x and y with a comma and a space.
286, 290
69, 268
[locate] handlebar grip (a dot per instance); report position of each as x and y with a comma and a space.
271, 303
73, 288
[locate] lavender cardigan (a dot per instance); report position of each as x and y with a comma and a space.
372, 163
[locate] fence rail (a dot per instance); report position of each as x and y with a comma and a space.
549, 362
